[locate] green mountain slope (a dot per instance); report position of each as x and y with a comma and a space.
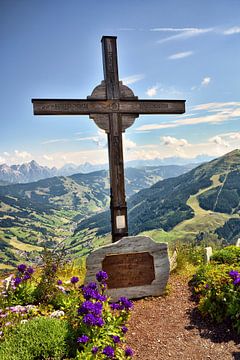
201, 200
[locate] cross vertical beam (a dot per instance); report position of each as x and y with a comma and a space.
118, 204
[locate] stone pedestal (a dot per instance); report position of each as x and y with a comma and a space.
136, 265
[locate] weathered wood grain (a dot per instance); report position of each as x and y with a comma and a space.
92, 106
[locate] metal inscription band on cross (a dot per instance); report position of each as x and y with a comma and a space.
114, 108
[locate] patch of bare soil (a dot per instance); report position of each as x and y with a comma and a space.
171, 327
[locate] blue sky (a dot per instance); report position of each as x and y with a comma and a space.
166, 49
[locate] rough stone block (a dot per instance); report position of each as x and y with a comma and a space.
136, 265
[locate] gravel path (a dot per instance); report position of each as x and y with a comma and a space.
170, 327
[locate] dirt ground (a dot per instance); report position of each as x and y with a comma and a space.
171, 327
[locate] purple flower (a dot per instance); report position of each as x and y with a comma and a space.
89, 307
125, 304
99, 322
30, 270
59, 282
108, 351
18, 309
92, 293
89, 319
26, 277
101, 276
93, 320
234, 274
128, 352
17, 281
22, 268
101, 297
97, 308
92, 285
115, 306
83, 339
94, 350
89, 293
207, 286
74, 279
124, 329
116, 339
237, 281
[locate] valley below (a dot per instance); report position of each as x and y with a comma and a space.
168, 203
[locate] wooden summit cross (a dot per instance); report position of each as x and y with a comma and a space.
114, 108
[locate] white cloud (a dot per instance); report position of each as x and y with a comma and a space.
47, 157
170, 147
182, 33
169, 141
180, 55
132, 79
206, 81
52, 141
221, 114
232, 30
128, 144
216, 105
23, 155
218, 140
235, 136
2, 160
152, 91
6, 153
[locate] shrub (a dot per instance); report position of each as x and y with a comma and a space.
46, 290
228, 255
217, 289
188, 253
40, 338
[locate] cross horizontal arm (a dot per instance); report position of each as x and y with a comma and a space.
92, 106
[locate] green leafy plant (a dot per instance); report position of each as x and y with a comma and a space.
46, 290
40, 338
217, 290
18, 289
228, 255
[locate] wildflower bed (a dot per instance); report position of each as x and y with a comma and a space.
216, 287
44, 317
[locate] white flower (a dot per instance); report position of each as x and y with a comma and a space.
57, 314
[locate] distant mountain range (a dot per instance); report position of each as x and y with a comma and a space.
32, 171
24, 173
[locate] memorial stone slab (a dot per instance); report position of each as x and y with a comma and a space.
136, 266
238, 242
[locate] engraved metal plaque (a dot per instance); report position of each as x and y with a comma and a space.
127, 270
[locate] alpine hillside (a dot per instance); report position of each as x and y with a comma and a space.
203, 203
